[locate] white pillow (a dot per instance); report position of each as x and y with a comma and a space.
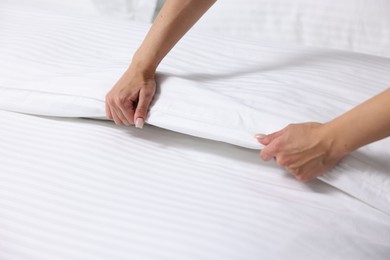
225, 90
85, 7
136, 10
355, 25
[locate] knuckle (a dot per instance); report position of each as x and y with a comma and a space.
148, 93
267, 154
277, 146
109, 100
147, 97
127, 103
263, 155
282, 160
295, 171
120, 99
141, 111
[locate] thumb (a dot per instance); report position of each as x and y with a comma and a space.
141, 111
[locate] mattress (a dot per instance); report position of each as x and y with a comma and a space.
86, 189
190, 184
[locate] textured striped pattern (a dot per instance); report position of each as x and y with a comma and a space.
82, 189
224, 89
59, 65
55, 65
353, 25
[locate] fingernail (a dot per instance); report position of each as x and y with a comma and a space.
139, 122
259, 136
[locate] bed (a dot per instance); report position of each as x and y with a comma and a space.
190, 184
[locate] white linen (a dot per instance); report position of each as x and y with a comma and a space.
225, 91
355, 25
64, 67
83, 189
136, 10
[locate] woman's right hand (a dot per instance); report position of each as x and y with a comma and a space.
128, 101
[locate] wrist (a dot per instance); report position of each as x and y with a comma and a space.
135, 70
338, 139
143, 65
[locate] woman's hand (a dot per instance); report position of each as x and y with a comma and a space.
306, 150
310, 149
128, 101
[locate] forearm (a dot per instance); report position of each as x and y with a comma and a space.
174, 20
364, 124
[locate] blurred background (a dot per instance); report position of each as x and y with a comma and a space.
137, 10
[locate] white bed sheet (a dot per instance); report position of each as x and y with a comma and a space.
224, 89
64, 66
352, 25
84, 189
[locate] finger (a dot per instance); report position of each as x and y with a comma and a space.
144, 100
116, 119
266, 140
108, 111
308, 171
267, 153
272, 150
117, 115
264, 155
303, 174
127, 110
111, 112
260, 138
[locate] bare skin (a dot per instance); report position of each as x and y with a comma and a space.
128, 101
306, 150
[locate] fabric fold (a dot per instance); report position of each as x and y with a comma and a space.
225, 89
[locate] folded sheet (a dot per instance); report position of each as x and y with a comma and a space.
220, 89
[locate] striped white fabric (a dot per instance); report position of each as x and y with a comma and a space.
83, 189
355, 25
61, 66
225, 90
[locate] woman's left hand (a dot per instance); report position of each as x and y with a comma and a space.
306, 150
